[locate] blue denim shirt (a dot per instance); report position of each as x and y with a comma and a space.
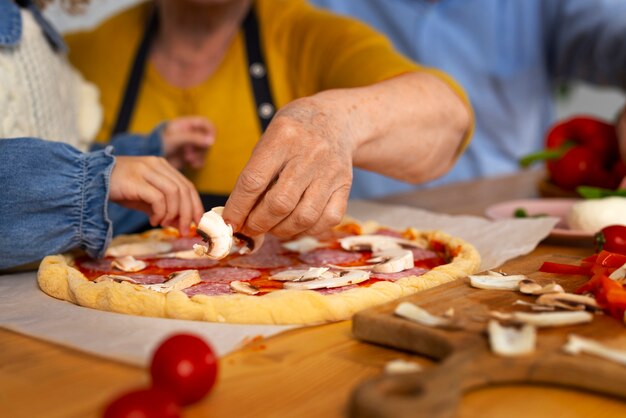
509, 55
53, 198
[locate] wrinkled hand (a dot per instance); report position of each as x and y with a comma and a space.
152, 185
298, 178
186, 141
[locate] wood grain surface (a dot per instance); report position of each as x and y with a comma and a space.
308, 372
464, 359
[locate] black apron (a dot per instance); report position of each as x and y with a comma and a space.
257, 70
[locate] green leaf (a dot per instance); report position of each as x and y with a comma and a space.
589, 192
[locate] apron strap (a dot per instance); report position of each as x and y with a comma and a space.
257, 71
133, 84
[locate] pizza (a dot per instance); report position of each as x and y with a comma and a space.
304, 281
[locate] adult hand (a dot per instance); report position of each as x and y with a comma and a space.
152, 185
186, 141
298, 178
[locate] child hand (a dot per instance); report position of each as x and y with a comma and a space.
186, 141
152, 185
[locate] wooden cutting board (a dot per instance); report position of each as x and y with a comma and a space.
465, 361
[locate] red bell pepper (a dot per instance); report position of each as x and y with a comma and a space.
557, 268
581, 151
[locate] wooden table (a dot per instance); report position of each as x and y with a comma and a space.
302, 373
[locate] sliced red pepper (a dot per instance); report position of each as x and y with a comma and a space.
601, 270
609, 259
558, 268
591, 286
612, 297
589, 262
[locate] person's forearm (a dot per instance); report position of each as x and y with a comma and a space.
409, 127
52, 200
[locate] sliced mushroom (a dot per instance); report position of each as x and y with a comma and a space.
400, 366
393, 261
115, 278
421, 316
568, 301
215, 232
576, 345
373, 243
246, 244
243, 287
531, 287
619, 274
128, 264
303, 245
177, 281
497, 282
302, 275
139, 248
183, 255
545, 319
343, 278
534, 306
511, 341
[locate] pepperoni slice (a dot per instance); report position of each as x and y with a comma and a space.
185, 243
147, 278
228, 274
415, 271
177, 263
209, 289
324, 256
98, 266
261, 261
422, 254
271, 245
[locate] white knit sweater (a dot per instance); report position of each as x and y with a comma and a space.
42, 96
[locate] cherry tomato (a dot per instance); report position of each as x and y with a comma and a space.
144, 403
186, 366
612, 238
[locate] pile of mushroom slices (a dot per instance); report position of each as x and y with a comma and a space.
125, 261
515, 333
389, 255
553, 308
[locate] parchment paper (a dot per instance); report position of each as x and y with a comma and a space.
131, 339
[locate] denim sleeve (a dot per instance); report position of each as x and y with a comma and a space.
135, 144
52, 199
587, 40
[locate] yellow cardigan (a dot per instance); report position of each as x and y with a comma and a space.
306, 51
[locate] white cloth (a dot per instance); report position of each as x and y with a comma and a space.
42, 96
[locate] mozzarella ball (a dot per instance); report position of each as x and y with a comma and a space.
593, 215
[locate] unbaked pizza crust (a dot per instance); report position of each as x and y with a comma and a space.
59, 279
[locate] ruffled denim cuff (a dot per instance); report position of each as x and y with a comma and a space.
96, 228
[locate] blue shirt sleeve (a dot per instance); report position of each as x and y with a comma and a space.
587, 40
135, 144
52, 199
